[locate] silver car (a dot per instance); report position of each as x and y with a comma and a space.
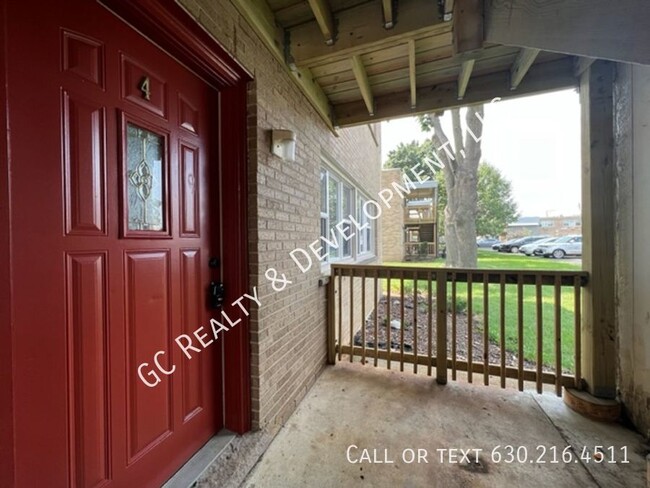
563, 246
528, 249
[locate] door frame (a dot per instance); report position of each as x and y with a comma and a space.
169, 26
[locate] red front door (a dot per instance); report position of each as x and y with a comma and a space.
113, 187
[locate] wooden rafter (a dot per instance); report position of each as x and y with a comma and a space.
522, 64
364, 85
449, 10
389, 13
412, 73
324, 18
582, 65
464, 76
259, 16
417, 19
542, 77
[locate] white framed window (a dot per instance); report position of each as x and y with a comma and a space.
324, 210
365, 234
346, 231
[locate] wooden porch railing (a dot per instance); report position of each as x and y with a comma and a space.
372, 308
420, 248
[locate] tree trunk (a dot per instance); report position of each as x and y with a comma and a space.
461, 178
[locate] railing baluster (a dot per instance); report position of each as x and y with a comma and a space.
441, 326
430, 322
502, 324
340, 276
502, 327
376, 302
454, 339
520, 331
540, 330
388, 345
577, 324
415, 321
470, 332
351, 315
363, 316
486, 330
402, 321
331, 321
558, 335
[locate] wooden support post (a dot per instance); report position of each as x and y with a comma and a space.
441, 327
598, 227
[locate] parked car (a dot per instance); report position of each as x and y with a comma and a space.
487, 242
514, 244
528, 249
562, 246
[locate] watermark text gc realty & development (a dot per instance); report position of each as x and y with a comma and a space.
151, 373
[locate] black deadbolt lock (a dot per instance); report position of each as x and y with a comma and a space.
216, 294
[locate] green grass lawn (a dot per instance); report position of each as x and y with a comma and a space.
494, 260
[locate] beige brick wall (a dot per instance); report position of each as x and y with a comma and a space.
288, 331
392, 219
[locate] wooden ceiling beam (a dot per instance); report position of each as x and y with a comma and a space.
522, 64
324, 19
358, 32
464, 76
542, 77
364, 85
616, 31
468, 25
412, 73
389, 13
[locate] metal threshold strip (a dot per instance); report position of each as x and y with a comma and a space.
197, 464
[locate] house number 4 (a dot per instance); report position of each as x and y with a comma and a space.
145, 88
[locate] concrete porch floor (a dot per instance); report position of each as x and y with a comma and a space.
390, 412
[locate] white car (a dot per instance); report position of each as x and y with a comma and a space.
528, 249
563, 246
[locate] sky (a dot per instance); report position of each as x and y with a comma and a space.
534, 141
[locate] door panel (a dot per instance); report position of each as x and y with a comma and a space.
113, 174
84, 158
148, 328
89, 367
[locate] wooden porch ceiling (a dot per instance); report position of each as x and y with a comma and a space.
363, 61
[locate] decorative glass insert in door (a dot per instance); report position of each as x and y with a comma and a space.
145, 180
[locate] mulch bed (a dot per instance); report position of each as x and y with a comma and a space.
462, 322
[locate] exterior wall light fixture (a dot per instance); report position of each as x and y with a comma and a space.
283, 144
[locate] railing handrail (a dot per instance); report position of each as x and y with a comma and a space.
460, 275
